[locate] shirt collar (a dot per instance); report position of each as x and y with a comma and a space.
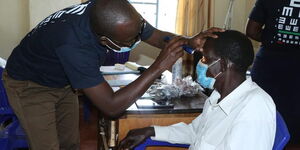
232, 99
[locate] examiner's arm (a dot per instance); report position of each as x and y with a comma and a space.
196, 42
113, 104
157, 38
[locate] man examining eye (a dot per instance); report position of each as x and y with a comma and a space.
64, 52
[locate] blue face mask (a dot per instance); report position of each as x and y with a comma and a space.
123, 49
202, 79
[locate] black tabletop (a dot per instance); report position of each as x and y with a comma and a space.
178, 105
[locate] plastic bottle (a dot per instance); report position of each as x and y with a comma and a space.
177, 70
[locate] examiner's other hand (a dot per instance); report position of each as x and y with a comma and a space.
170, 53
136, 137
198, 40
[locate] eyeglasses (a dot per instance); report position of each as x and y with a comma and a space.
119, 47
136, 39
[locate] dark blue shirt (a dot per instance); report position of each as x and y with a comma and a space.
62, 50
281, 22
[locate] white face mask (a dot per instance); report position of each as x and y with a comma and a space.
122, 49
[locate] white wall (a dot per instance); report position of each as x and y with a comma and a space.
239, 16
40, 9
18, 17
14, 24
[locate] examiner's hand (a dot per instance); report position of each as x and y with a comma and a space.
136, 137
170, 53
198, 40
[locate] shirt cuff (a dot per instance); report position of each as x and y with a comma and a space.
161, 133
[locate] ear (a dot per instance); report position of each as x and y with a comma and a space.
225, 64
102, 40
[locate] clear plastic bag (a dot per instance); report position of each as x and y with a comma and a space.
182, 87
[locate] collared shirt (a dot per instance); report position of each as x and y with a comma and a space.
244, 120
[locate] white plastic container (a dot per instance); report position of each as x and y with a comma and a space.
177, 70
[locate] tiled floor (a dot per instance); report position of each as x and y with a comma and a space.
88, 133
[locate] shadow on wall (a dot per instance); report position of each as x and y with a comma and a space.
144, 54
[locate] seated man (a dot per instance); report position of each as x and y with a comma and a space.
238, 115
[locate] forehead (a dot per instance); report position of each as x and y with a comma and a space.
126, 31
208, 49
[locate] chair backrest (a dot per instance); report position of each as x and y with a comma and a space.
4, 105
1, 84
12, 136
282, 133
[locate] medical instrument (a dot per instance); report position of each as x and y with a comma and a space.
187, 48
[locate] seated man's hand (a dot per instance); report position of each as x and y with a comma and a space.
197, 42
136, 137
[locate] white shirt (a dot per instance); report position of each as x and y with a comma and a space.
244, 120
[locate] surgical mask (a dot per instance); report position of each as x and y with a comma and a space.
123, 49
202, 79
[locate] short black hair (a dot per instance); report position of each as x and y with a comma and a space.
235, 47
106, 14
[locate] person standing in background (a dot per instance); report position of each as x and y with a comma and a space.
275, 23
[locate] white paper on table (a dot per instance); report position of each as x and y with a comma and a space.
118, 83
110, 70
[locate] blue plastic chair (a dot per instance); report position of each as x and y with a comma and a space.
12, 135
4, 106
150, 142
281, 138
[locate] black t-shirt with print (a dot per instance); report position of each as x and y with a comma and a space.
62, 50
282, 21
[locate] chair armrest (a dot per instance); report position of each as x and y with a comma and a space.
150, 142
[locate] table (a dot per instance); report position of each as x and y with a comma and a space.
185, 110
